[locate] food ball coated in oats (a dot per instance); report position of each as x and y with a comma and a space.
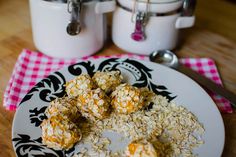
59, 132
107, 81
141, 148
127, 99
79, 84
64, 106
94, 104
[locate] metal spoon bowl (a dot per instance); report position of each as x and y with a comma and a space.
165, 57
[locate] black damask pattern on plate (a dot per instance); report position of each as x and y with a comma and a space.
76, 69
37, 115
70, 153
53, 87
27, 147
48, 88
140, 72
109, 64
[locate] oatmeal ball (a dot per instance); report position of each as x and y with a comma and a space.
127, 99
59, 132
94, 104
64, 106
79, 84
108, 81
141, 148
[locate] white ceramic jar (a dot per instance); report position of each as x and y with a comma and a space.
49, 24
160, 31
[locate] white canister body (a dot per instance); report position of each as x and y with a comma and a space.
161, 31
49, 23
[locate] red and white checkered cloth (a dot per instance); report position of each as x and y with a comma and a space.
31, 67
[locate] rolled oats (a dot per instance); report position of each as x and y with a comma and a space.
94, 104
127, 99
59, 132
64, 106
171, 130
107, 81
141, 148
79, 84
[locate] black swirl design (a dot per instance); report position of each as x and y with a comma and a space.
70, 153
37, 115
109, 65
49, 88
76, 69
26, 147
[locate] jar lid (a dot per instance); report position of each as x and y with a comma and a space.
155, 6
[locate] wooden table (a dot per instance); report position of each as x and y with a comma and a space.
15, 34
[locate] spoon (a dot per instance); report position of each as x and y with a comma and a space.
169, 59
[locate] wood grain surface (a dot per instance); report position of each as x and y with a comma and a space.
215, 19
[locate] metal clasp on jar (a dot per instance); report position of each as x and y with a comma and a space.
74, 8
139, 31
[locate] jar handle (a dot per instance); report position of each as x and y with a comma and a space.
184, 22
105, 7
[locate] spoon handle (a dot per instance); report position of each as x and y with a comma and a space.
207, 83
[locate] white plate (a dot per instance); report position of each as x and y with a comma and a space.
26, 131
